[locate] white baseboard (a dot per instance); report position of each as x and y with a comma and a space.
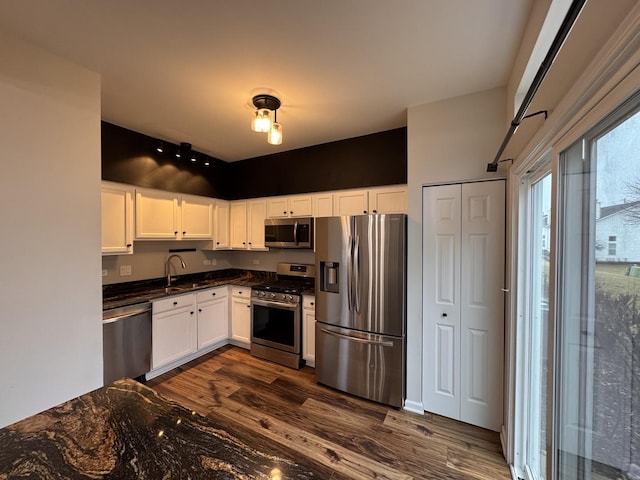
415, 407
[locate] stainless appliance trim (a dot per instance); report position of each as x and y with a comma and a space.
295, 308
269, 303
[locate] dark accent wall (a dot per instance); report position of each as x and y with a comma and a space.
367, 161
131, 157
370, 160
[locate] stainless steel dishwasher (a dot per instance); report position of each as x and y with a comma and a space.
126, 341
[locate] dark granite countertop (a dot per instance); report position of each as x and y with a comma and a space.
122, 294
128, 431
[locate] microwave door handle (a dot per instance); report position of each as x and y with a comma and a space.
295, 232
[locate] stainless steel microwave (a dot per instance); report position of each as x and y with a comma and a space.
288, 232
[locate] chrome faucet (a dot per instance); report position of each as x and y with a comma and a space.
167, 267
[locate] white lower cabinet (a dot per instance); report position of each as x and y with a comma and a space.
241, 316
309, 330
213, 316
173, 329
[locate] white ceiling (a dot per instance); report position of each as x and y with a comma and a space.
185, 70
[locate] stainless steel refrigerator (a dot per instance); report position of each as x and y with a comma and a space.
360, 305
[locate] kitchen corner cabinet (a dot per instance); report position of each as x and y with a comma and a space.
247, 224
290, 206
221, 225
117, 219
213, 316
309, 330
173, 329
241, 316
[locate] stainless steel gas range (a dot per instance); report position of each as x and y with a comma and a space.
276, 315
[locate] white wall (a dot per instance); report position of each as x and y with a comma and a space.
50, 325
450, 140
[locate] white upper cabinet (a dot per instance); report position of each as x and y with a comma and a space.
197, 217
322, 204
351, 202
157, 215
117, 219
170, 216
247, 224
293, 206
221, 225
388, 199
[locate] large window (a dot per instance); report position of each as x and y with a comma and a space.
597, 375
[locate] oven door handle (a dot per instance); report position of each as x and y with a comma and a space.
266, 303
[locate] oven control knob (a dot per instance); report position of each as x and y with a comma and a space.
273, 295
263, 294
290, 298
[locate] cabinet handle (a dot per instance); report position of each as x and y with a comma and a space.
199, 309
444, 314
213, 294
375, 211
128, 245
291, 212
248, 306
175, 233
364, 211
285, 212
191, 313
240, 292
249, 243
175, 303
310, 303
217, 243
184, 233
244, 243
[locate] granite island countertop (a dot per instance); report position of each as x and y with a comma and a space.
127, 431
122, 294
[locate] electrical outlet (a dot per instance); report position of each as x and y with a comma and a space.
125, 270
256, 262
105, 273
206, 262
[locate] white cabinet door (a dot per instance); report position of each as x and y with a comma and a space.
117, 219
173, 336
221, 225
388, 200
309, 330
322, 205
157, 215
213, 316
197, 218
238, 225
241, 321
278, 207
300, 206
463, 305
352, 202
256, 212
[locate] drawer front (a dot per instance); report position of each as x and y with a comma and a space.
173, 302
242, 292
308, 302
211, 294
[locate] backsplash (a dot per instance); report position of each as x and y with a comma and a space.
149, 259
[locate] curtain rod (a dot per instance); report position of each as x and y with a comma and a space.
563, 32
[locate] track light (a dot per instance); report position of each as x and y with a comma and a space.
261, 120
160, 146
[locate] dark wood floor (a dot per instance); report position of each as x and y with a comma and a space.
283, 411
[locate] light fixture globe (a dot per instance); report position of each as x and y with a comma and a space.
261, 120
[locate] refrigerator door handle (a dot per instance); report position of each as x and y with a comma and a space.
350, 274
356, 339
356, 272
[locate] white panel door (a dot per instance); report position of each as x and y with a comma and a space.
482, 303
463, 301
441, 299
197, 218
117, 220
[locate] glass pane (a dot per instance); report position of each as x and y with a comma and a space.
599, 342
538, 326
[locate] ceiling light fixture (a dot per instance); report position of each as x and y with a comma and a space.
261, 120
